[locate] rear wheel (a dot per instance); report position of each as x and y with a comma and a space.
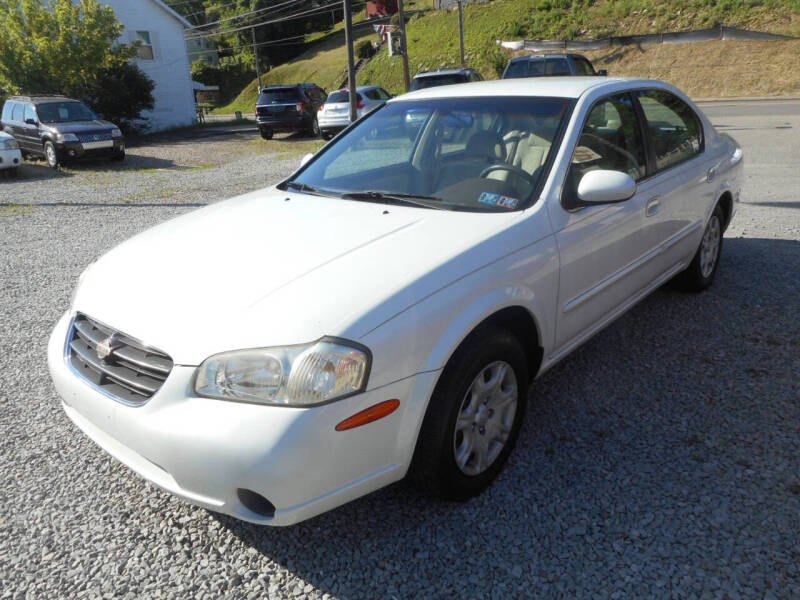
51, 155
266, 133
119, 156
474, 416
700, 273
315, 128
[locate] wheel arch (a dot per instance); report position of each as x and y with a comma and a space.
725, 202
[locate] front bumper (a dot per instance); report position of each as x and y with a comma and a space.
78, 150
206, 450
10, 159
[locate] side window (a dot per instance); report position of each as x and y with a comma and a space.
383, 94
516, 69
556, 66
145, 45
30, 113
611, 140
582, 66
7, 108
675, 129
372, 94
16, 115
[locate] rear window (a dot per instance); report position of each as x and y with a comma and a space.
278, 96
557, 66
420, 83
341, 96
516, 69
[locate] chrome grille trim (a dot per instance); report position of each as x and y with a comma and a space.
131, 373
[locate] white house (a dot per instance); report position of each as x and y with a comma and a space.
162, 56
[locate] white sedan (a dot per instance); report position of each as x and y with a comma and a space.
383, 311
334, 115
10, 154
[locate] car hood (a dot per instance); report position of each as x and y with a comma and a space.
80, 126
276, 268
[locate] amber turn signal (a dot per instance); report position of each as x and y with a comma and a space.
368, 415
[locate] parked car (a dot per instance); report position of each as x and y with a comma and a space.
443, 77
383, 311
289, 108
10, 155
334, 115
550, 65
60, 129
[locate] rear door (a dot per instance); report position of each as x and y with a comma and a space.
30, 127
679, 191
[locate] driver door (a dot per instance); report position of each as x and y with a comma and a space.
602, 248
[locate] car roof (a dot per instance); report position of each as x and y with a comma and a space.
460, 71
43, 98
545, 55
554, 87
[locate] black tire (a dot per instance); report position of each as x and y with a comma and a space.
697, 276
51, 155
326, 135
434, 466
266, 133
119, 156
314, 131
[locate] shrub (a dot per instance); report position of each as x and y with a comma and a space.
364, 49
119, 95
231, 75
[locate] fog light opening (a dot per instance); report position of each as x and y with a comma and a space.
256, 502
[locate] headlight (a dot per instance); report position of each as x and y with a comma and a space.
289, 376
116, 133
10, 144
67, 137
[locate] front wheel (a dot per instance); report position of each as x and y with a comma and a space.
473, 417
700, 273
51, 155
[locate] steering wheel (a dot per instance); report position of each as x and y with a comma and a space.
633, 164
522, 174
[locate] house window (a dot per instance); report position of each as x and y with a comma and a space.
145, 45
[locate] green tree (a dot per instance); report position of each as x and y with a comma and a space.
57, 47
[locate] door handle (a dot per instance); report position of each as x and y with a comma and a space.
653, 206
712, 172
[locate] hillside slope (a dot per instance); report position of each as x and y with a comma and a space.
433, 43
433, 38
323, 63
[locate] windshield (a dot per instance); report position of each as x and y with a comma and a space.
64, 112
420, 83
287, 96
478, 154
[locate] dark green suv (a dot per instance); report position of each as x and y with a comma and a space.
60, 129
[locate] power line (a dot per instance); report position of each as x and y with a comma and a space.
318, 10
260, 10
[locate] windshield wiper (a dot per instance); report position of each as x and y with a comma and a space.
304, 187
407, 199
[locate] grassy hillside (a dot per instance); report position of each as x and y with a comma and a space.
323, 63
433, 38
433, 43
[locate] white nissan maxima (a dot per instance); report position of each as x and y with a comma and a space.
383, 311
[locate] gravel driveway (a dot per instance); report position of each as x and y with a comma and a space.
662, 460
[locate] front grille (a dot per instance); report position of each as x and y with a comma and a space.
128, 371
95, 136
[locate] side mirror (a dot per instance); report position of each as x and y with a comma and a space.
605, 187
306, 158
31, 122
603, 72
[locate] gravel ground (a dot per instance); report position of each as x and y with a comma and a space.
658, 461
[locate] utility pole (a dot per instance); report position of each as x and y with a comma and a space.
461, 31
351, 69
255, 55
406, 75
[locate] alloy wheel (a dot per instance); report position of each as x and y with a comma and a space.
486, 417
709, 248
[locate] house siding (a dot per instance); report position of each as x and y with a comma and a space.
170, 68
